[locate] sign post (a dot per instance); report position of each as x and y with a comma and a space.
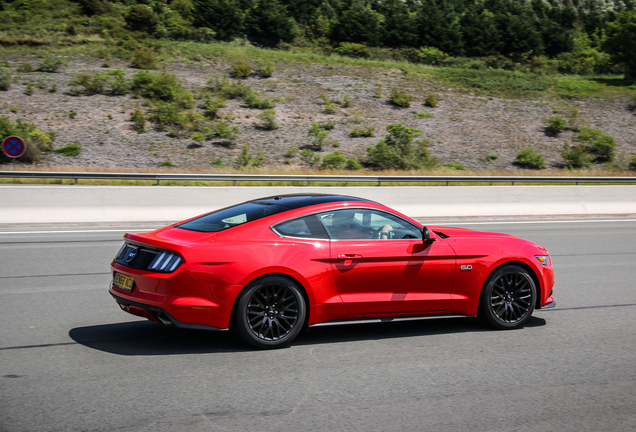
13, 147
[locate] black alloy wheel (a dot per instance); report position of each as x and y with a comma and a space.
271, 312
509, 297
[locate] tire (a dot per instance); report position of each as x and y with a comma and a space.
508, 297
270, 312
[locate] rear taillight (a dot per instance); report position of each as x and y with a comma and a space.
165, 262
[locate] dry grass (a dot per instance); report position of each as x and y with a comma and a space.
297, 171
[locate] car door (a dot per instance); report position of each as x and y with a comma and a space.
381, 265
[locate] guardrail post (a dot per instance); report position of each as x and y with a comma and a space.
235, 182
308, 182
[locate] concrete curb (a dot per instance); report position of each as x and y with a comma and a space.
43, 204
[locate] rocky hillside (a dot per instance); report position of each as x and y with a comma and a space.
477, 131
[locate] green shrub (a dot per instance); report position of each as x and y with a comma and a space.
113, 82
327, 125
198, 137
423, 115
29, 89
87, 84
166, 164
227, 89
455, 166
268, 118
5, 79
309, 157
555, 125
431, 100
576, 157
362, 132
318, 134
528, 158
330, 108
119, 85
221, 129
164, 114
69, 150
492, 157
139, 119
350, 49
632, 163
398, 150
431, 56
334, 160
72, 114
400, 98
265, 70
212, 105
247, 159
353, 164
252, 100
290, 152
241, 69
598, 144
25, 67
144, 59
51, 64
162, 86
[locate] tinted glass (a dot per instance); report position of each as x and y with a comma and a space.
305, 227
231, 217
367, 224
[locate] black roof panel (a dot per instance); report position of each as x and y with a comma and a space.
295, 201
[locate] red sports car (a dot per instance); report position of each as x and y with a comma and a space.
271, 266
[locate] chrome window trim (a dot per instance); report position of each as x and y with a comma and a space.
273, 226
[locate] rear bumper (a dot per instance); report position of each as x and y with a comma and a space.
154, 313
550, 303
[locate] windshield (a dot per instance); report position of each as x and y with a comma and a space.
231, 217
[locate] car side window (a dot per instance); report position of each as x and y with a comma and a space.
305, 227
351, 224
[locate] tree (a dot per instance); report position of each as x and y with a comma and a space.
268, 19
360, 23
225, 17
400, 25
439, 26
620, 41
481, 35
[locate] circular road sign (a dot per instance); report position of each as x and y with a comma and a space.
13, 146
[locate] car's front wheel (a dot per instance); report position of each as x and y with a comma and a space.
508, 298
270, 312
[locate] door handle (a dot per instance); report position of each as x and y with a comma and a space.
349, 256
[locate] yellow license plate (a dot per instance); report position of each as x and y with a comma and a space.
124, 282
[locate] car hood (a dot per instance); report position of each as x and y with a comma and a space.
462, 233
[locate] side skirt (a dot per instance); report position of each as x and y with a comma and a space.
385, 320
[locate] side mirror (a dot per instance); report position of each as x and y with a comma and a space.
426, 236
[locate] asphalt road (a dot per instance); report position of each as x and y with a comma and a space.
70, 360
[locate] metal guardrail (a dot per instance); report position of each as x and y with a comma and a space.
158, 177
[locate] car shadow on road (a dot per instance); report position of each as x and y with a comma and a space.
145, 338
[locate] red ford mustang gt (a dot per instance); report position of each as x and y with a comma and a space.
271, 266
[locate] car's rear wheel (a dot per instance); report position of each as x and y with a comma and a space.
508, 298
270, 312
